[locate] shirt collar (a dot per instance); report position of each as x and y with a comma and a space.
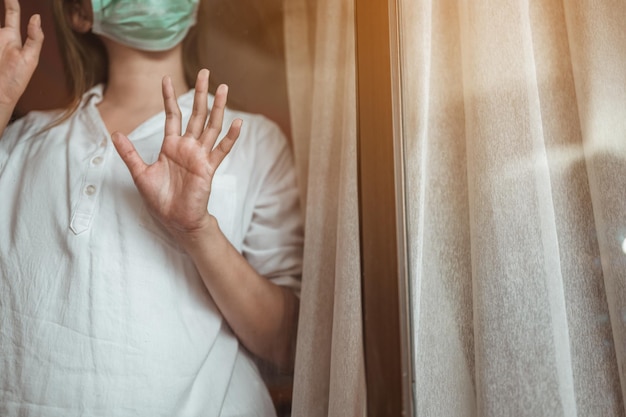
154, 124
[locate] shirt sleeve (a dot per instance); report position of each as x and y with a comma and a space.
273, 244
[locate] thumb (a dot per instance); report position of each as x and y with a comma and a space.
32, 46
128, 153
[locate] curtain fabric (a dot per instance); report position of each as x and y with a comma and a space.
514, 124
329, 374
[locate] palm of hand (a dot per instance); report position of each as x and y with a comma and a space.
181, 166
17, 61
176, 188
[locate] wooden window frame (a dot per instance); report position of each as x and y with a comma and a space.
385, 282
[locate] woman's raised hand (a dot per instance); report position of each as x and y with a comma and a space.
17, 61
177, 186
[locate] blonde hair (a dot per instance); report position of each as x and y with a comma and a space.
85, 60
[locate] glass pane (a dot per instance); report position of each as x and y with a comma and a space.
514, 151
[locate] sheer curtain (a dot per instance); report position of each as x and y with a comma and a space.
514, 119
514, 125
329, 374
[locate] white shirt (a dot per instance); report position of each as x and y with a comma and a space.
101, 314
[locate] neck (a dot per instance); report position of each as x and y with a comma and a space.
134, 79
133, 92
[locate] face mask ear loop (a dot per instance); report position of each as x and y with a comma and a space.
194, 19
97, 11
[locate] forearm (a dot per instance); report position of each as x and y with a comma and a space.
263, 315
5, 116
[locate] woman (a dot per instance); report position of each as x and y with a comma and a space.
121, 294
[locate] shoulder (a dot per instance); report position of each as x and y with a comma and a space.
36, 119
258, 133
28, 127
262, 154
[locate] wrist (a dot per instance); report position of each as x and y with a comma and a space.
6, 111
197, 240
7, 104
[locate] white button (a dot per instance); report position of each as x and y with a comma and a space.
624, 246
103, 143
90, 189
97, 160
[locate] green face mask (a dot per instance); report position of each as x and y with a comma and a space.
148, 25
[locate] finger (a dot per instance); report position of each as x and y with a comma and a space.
12, 15
128, 153
217, 155
200, 106
34, 40
172, 111
214, 127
